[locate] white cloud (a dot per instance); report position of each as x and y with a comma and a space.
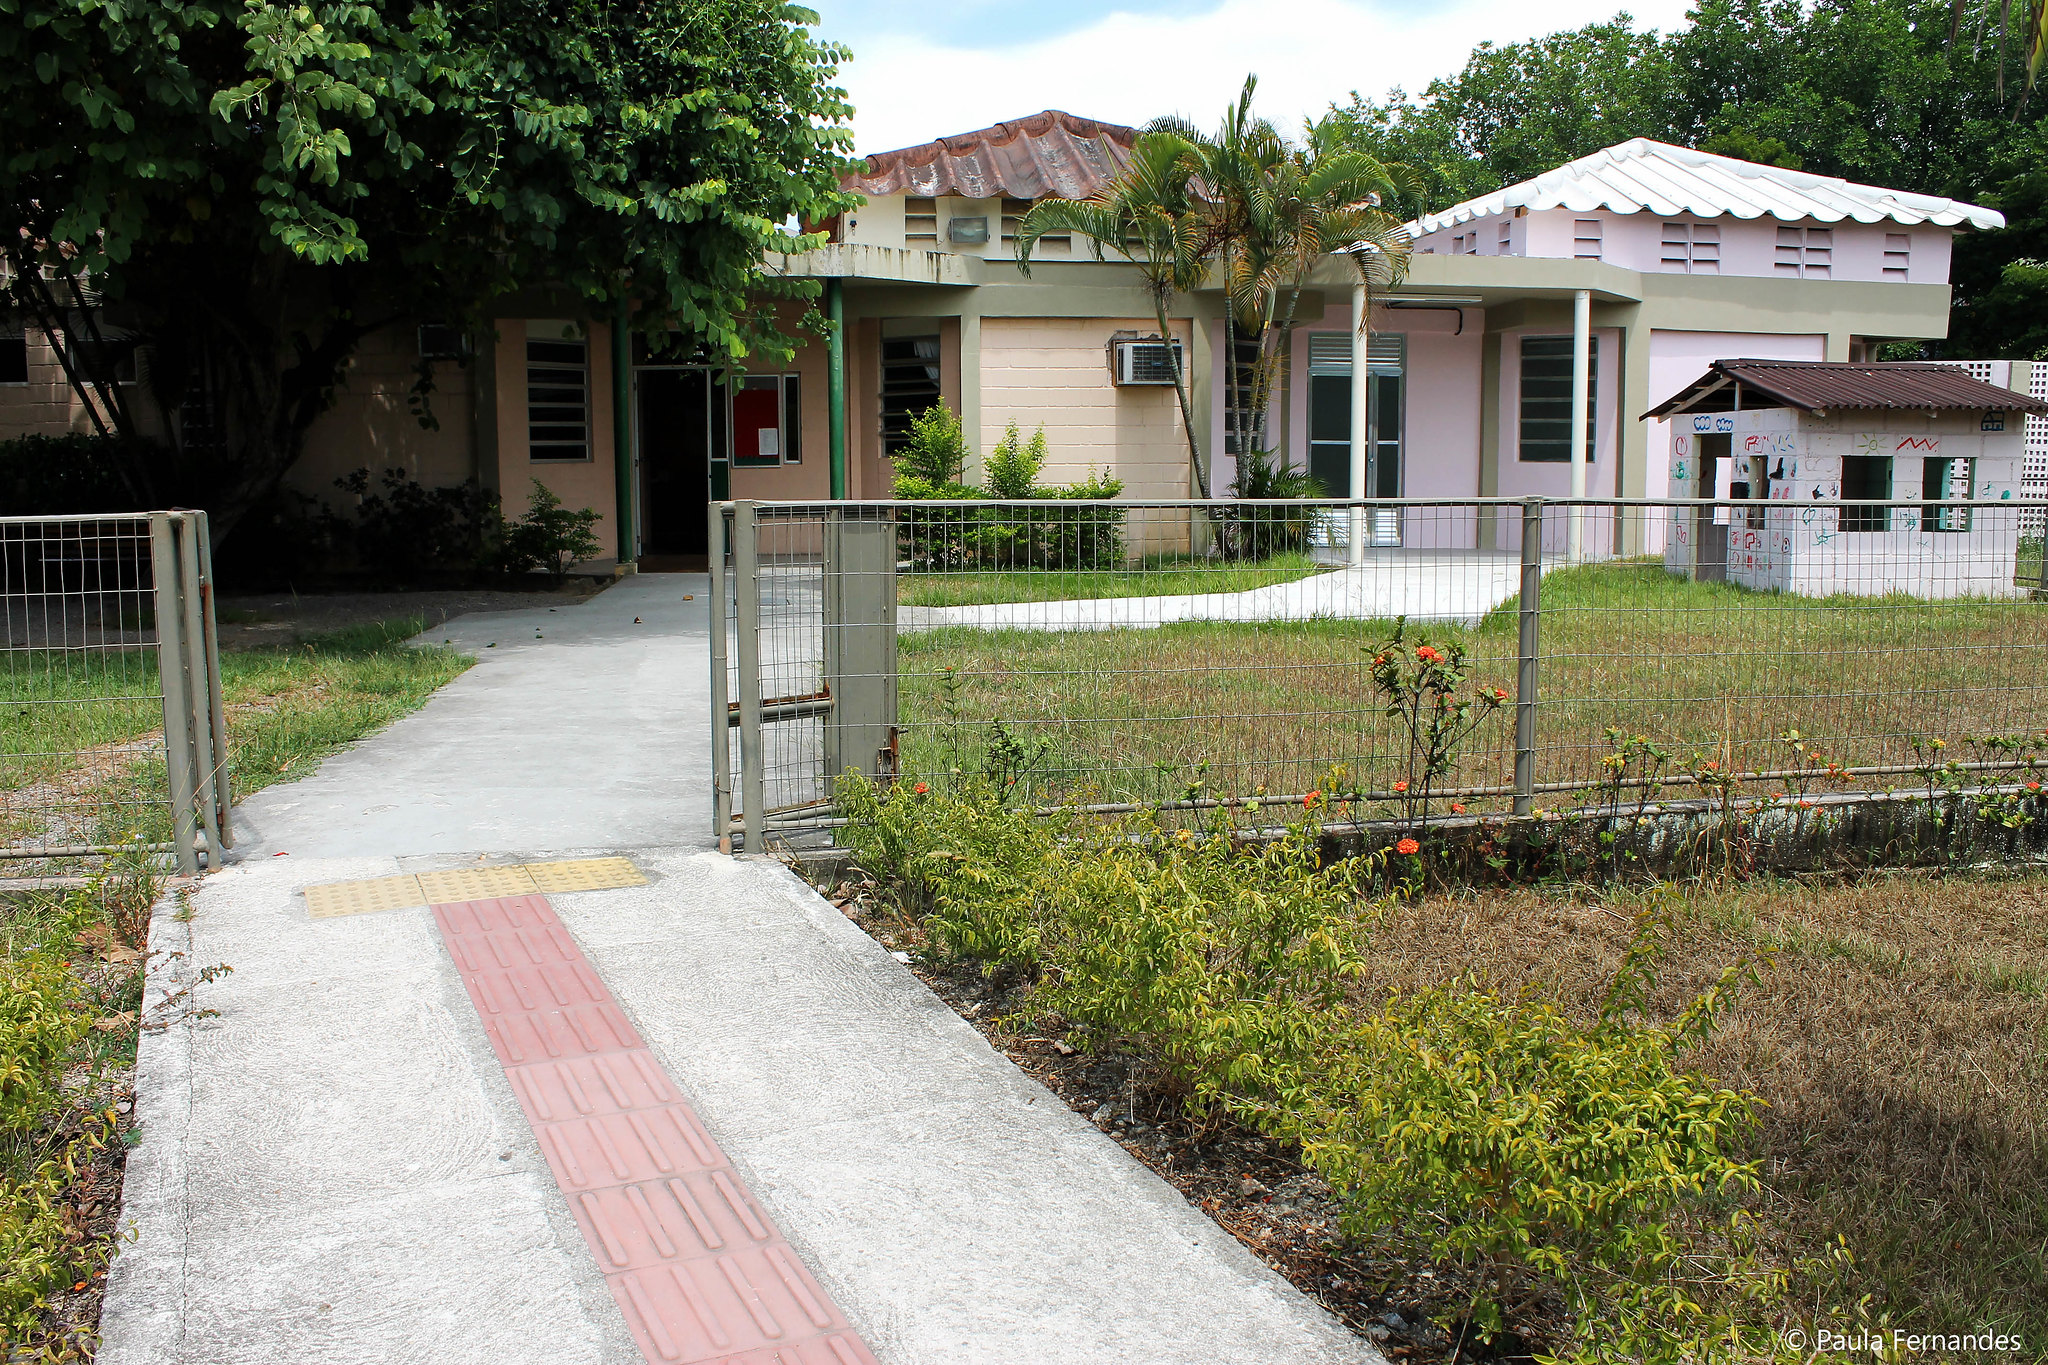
1128, 68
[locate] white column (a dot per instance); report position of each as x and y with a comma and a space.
1582, 345
1361, 393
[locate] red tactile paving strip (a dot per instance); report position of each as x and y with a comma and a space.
696, 1266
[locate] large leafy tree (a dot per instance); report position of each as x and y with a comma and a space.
242, 192
1938, 96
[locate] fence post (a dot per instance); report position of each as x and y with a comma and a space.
208, 756
216, 707
171, 663
746, 569
721, 700
860, 642
1527, 645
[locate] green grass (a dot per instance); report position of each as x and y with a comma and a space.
1706, 670
84, 731
1159, 576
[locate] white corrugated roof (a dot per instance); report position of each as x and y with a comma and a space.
1641, 176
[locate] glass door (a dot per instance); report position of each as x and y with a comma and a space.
1329, 423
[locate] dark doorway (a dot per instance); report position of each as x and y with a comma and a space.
1710, 524
676, 450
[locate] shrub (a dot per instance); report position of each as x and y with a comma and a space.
42, 1020
61, 475
1014, 465
936, 451
550, 537
408, 529
1539, 1153
1262, 532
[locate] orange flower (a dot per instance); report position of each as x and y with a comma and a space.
1500, 694
1407, 846
920, 789
1457, 809
2033, 786
1310, 799
1429, 655
1402, 785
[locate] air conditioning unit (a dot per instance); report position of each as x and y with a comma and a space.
1143, 362
439, 341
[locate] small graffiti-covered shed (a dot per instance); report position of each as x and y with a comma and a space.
1781, 444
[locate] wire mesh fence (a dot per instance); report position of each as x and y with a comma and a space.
1178, 654
109, 676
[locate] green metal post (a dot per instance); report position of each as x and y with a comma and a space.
622, 432
835, 385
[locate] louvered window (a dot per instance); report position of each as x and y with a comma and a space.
1805, 252
1692, 248
921, 222
1898, 255
1586, 239
1546, 424
557, 395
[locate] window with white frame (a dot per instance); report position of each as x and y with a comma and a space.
1805, 252
1586, 239
557, 394
767, 421
1692, 248
1898, 255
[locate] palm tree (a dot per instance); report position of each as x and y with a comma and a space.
1150, 215
1263, 211
1298, 205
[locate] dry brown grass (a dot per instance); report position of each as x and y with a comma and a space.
1897, 1040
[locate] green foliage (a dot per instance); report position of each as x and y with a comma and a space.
1261, 532
936, 453
1541, 1153
1014, 465
255, 188
1549, 1155
42, 1021
409, 529
550, 537
941, 539
38, 1254
56, 475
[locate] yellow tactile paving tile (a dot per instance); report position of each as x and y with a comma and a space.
330, 899
475, 884
362, 898
585, 874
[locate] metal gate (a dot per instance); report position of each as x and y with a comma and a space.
109, 631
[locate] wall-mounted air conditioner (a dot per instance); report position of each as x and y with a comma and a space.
1142, 362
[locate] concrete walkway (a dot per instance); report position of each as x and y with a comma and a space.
333, 1166
1452, 586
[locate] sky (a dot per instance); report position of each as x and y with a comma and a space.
923, 71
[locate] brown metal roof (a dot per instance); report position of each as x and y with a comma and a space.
1027, 158
1821, 385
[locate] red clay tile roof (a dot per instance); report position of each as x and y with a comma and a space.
1027, 158
1821, 385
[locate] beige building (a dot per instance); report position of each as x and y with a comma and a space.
1636, 267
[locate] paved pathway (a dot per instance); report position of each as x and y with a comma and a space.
1424, 585
336, 1166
